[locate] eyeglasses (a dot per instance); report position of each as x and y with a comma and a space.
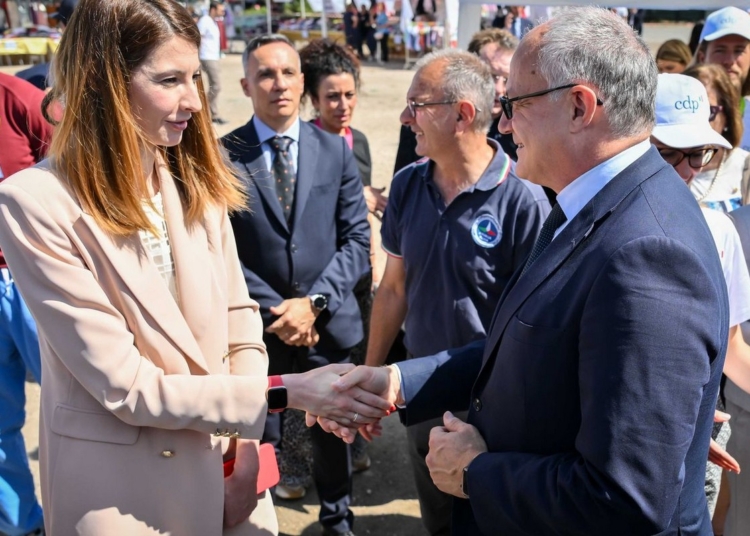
414, 106
696, 159
714, 111
507, 104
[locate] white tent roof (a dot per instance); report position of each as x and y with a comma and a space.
470, 10
650, 4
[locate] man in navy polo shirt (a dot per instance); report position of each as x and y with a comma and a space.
458, 224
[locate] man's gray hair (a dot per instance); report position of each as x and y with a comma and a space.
465, 77
593, 45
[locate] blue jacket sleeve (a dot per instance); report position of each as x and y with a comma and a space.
352, 260
261, 292
435, 384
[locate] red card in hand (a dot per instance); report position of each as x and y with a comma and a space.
268, 472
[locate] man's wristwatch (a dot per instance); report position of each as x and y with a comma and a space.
276, 395
319, 302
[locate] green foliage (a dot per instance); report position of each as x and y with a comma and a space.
295, 7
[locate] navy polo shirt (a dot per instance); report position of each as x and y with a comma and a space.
459, 258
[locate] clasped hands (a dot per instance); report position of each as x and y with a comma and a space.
380, 385
295, 324
366, 394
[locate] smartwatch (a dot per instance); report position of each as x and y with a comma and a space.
276, 395
319, 302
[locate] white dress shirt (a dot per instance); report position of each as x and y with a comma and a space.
265, 133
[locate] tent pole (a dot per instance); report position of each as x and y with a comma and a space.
269, 18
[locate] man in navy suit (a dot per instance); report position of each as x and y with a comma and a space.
591, 401
514, 22
303, 243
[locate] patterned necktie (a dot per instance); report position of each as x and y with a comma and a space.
555, 219
283, 173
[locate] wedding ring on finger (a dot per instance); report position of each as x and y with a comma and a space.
356, 416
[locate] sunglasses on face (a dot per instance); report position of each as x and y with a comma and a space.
714, 111
507, 104
696, 159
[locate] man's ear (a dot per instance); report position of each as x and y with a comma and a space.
466, 115
245, 87
584, 103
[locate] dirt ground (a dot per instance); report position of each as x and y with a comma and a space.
384, 496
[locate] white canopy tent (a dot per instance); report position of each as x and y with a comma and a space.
469, 11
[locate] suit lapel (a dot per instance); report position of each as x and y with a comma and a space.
132, 264
555, 254
307, 165
581, 227
192, 270
258, 176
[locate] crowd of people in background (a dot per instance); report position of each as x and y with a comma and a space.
567, 243
370, 27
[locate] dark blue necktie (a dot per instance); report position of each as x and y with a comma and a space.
283, 173
555, 219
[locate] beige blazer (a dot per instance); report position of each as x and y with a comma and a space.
139, 394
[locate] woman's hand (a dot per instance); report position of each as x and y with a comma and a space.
716, 454
315, 393
371, 431
240, 497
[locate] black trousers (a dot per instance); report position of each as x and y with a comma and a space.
332, 469
384, 47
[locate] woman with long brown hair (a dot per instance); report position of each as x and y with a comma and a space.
153, 365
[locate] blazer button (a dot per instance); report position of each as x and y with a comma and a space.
167, 453
477, 404
294, 248
296, 285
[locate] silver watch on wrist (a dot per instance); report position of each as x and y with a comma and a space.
319, 302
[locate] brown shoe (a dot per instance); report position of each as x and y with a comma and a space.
361, 463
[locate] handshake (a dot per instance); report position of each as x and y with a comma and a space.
345, 399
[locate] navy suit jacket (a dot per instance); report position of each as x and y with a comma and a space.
596, 387
325, 248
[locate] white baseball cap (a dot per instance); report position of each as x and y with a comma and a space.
726, 21
682, 112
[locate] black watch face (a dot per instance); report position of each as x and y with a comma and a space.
277, 399
320, 302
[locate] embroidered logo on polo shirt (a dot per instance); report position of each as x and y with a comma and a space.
486, 231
